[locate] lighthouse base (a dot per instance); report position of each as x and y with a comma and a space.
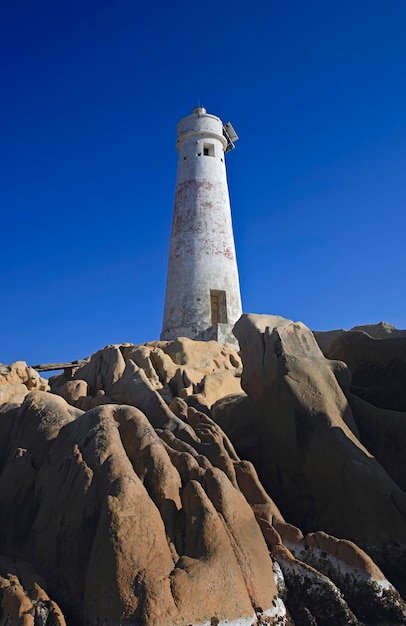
218, 332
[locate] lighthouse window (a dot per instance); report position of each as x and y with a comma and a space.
208, 149
218, 307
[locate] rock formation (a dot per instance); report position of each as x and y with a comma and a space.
124, 497
23, 599
133, 517
311, 456
16, 380
376, 357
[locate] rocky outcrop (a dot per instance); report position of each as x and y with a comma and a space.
362, 584
235, 414
126, 491
16, 380
382, 330
101, 510
19, 372
23, 601
312, 598
376, 357
199, 372
383, 433
312, 460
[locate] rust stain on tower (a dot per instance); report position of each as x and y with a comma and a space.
203, 298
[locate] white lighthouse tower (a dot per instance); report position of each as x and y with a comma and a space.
202, 292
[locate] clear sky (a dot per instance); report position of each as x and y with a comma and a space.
91, 94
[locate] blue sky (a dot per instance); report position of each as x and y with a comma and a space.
91, 94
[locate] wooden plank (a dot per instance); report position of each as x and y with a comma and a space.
49, 367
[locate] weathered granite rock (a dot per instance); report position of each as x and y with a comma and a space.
134, 388
118, 534
263, 506
215, 386
16, 381
73, 391
313, 463
104, 368
143, 512
383, 433
235, 414
325, 337
19, 372
202, 372
377, 364
364, 587
312, 599
142, 357
382, 330
23, 601
13, 393
205, 356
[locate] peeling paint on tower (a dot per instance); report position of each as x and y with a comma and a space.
202, 293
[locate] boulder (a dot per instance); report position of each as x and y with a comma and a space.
245, 536
382, 330
325, 337
134, 506
72, 391
28, 438
205, 356
93, 510
141, 356
378, 365
20, 373
118, 533
135, 389
23, 601
235, 415
13, 393
104, 368
202, 372
261, 504
312, 462
312, 598
216, 386
383, 433
367, 592
37, 424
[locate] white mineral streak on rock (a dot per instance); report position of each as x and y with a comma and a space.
275, 616
242, 621
278, 577
308, 576
277, 612
343, 569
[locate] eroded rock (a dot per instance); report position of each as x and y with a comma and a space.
23, 601
312, 461
117, 532
377, 363
135, 506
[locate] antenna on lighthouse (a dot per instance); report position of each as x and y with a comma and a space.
231, 136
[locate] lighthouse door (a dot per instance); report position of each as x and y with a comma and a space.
218, 307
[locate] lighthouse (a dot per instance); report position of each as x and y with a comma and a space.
203, 298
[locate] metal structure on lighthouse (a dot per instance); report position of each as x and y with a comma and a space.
203, 298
